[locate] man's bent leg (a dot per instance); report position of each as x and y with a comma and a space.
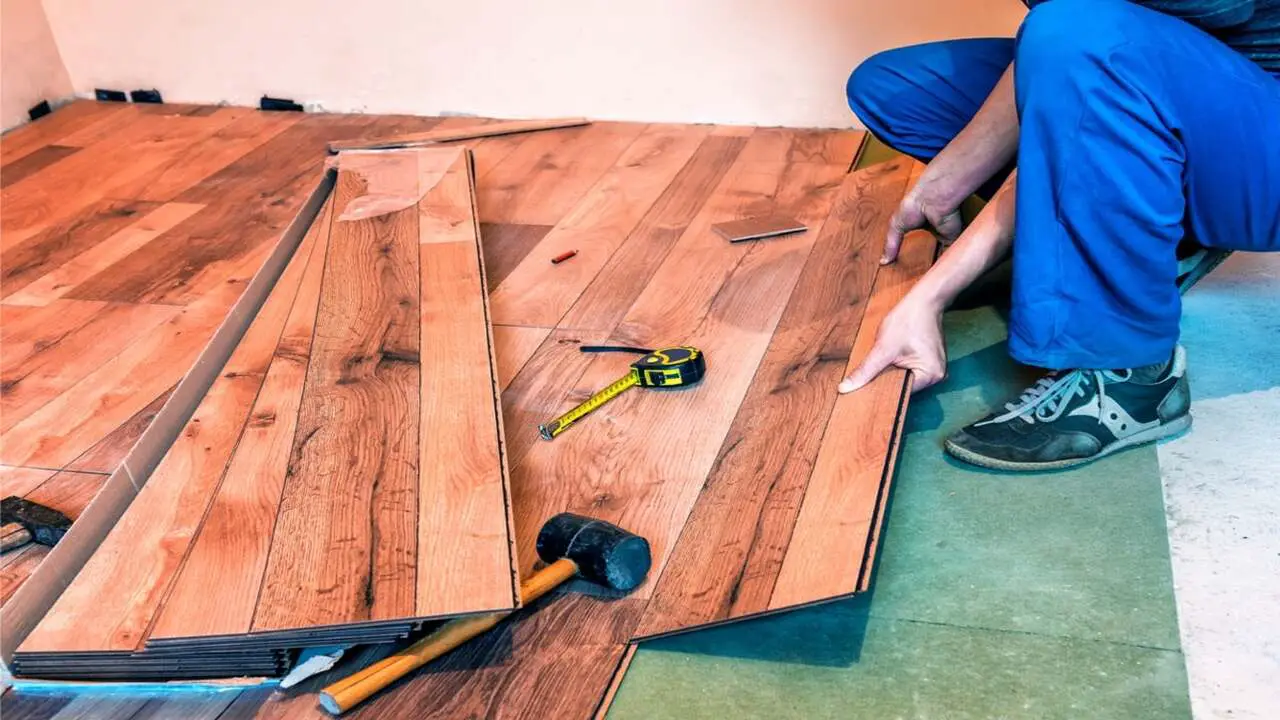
915, 99
1135, 128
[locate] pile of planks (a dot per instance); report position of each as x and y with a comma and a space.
343, 481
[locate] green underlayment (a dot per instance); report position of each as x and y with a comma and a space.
997, 595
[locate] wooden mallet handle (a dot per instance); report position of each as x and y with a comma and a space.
13, 535
350, 691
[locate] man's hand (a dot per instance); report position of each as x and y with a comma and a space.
922, 206
910, 338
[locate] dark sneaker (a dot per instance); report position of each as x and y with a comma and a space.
1194, 262
1071, 418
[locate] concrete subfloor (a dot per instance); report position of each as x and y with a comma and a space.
1047, 596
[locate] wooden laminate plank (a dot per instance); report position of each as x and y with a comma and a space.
249, 203
466, 552
31, 706
33, 163
241, 136
67, 426
194, 706
63, 279
64, 189
601, 306
30, 333
22, 263
347, 521
21, 480
66, 492
471, 133
546, 175
727, 559
506, 245
50, 129
855, 459
831, 147
236, 536
513, 346
113, 601
107, 454
57, 363
537, 293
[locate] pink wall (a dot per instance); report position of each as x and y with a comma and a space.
733, 61
30, 68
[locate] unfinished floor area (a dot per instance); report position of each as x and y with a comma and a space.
128, 231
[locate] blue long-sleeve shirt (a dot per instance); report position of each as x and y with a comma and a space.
1251, 27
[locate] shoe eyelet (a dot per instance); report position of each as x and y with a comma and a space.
1115, 416
1123, 427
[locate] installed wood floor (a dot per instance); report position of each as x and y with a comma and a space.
759, 489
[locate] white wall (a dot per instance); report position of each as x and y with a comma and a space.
30, 68
762, 62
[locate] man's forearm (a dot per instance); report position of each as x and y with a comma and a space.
983, 244
979, 151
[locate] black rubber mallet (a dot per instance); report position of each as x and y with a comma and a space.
571, 545
25, 521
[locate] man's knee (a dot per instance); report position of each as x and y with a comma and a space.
1060, 34
870, 88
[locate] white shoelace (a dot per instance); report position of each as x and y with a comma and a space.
1048, 399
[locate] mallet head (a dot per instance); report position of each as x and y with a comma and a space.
46, 525
605, 553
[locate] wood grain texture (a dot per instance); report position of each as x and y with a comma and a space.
447, 135
466, 553
235, 537
506, 245
856, 458
595, 227
347, 523
113, 601
61, 360
33, 163
513, 346
726, 562
107, 454
67, 276
546, 175
53, 129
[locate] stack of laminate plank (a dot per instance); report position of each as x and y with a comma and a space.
343, 481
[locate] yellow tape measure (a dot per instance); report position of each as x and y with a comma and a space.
660, 369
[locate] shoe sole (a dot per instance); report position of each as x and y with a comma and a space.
1155, 434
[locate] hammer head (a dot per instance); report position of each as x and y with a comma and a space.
46, 525
605, 553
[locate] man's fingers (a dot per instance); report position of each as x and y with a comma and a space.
921, 379
871, 366
892, 241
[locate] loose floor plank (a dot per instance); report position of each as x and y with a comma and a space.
439, 136
855, 461
236, 535
347, 522
467, 486
726, 562
114, 599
